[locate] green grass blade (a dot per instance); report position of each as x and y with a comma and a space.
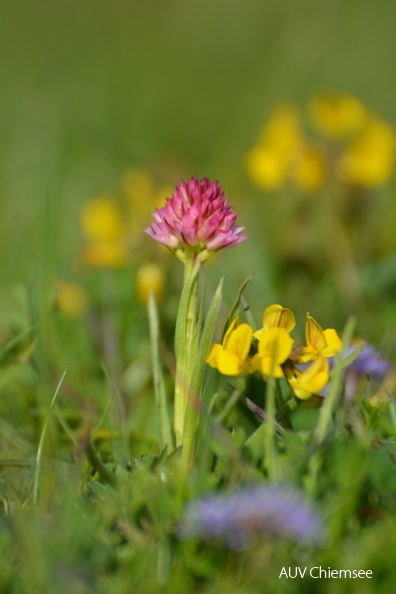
40, 448
235, 307
164, 430
248, 313
332, 396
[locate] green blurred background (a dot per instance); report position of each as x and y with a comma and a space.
181, 87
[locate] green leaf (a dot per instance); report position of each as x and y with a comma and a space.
256, 443
206, 339
232, 400
195, 393
344, 363
235, 308
186, 344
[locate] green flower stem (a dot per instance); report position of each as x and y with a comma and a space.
281, 403
270, 445
289, 406
186, 343
233, 399
195, 403
191, 317
98, 465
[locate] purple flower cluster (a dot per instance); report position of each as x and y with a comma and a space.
257, 510
196, 217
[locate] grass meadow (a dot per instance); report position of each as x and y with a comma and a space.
134, 455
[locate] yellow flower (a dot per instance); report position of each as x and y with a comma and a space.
319, 342
266, 167
149, 277
232, 356
101, 220
274, 348
268, 163
336, 115
71, 299
283, 130
309, 169
102, 224
276, 316
369, 159
310, 381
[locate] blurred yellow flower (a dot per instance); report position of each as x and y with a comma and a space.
319, 342
281, 138
283, 130
309, 169
71, 299
102, 224
274, 348
337, 115
360, 150
232, 356
310, 381
369, 159
101, 220
149, 277
113, 224
266, 167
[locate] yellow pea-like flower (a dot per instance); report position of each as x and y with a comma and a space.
319, 342
232, 356
274, 348
276, 316
310, 381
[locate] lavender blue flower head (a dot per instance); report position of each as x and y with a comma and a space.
257, 510
368, 363
197, 218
